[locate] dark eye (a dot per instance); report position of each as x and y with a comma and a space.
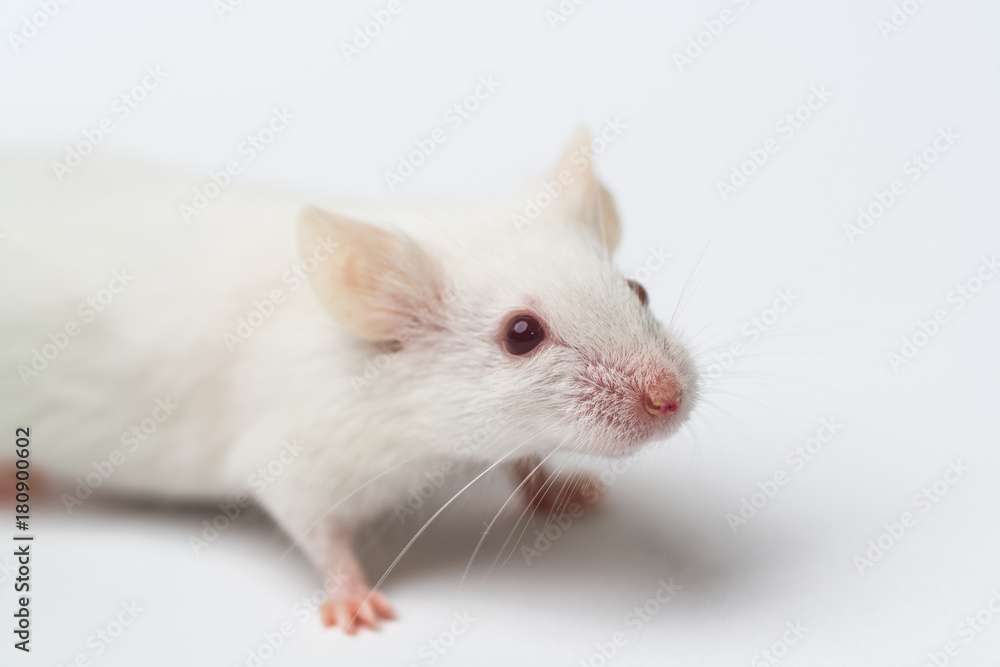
639, 290
523, 334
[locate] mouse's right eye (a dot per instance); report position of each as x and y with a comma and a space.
523, 334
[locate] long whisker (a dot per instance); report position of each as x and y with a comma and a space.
732, 417
481, 263
533, 506
296, 540
755, 402
489, 526
530, 505
571, 484
773, 379
695, 268
844, 357
437, 514
694, 288
689, 340
700, 348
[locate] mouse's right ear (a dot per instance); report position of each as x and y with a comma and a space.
378, 284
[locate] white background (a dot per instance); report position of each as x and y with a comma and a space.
666, 516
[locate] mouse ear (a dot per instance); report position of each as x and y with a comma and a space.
378, 284
587, 202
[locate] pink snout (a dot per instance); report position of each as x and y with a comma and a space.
662, 397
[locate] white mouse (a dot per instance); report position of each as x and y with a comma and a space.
179, 360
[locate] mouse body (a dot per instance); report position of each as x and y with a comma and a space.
321, 357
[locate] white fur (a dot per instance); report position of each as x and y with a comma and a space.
162, 337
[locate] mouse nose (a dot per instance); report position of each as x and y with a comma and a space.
662, 398
660, 405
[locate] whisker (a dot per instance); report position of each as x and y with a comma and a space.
534, 508
817, 328
296, 540
730, 416
694, 288
773, 380
529, 506
434, 516
755, 402
489, 526
814, 353
670, 325
689, 341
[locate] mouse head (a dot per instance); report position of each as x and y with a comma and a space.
524, 318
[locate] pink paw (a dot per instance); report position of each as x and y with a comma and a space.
355, 609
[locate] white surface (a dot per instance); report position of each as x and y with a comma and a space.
666, 516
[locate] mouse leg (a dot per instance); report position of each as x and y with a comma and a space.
351, 603
556, 495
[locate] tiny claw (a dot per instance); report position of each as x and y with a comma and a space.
326, 615
382, 606
365, 615
355, 610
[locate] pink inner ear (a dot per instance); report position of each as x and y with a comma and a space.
377, 282
394, 285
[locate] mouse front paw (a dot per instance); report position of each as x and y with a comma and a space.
356, 608
571, 493
559, 494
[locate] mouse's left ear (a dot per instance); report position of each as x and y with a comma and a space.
587, 201
380, 285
